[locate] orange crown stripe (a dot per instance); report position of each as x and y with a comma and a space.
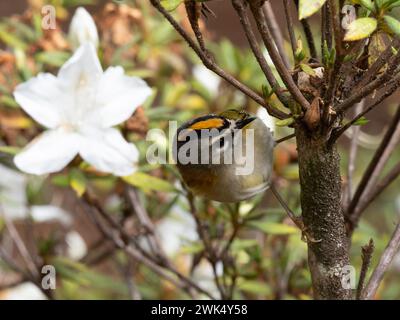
207, 124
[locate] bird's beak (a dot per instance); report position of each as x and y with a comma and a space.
244, 122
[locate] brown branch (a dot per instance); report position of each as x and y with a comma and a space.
326, 30
309, 35
296, 220
290, 136
384, 262
276, 31
375, 167
348, 194
123, 242
211, 254
393, 86
334, 16
24, 252
193, 16
366, 256
240, 7
276, 58
370, 87
290, 27
379, 63
145, 221
378, 189
210, 64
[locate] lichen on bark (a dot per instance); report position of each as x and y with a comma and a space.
320, 181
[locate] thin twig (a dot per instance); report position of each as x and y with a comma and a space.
240, 7
122, 241
348, 192
28, 259
290, 27
370, 87
393, 86
378, 189
276, 58
379, 63
309, 35
366, 256
384, 262
146, 222
211, 255
290, 136
210, 64
388, 144
276, 31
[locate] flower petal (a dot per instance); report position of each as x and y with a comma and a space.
108, 151
119, 95
41, 98
49, 152
83, 29
82, 68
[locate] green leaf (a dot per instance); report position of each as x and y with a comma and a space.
11, 40
360, 29
309, 7
255, 287
149, 183
274, 228
53, 58
77, 181
171, 5
60, 180
307, 69
361, 121
393, 24
367, 4
284, 122
8, 101
394, 4
9, 150
193, 248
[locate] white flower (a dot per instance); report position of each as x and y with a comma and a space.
46, 213
23, 291
76, 246
207, 79
266, 118
79, 106
82, 29
176, 229
13, 193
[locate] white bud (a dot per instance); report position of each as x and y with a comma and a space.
82, 29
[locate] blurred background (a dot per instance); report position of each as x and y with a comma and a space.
267, 260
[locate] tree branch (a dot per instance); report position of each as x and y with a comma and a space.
280, 66
239, 6
375, 167
366, 256
372, 86
290, 27
378, 189
276, 31
393, 86
210, 64
384, 262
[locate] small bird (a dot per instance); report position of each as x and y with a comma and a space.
226, 157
